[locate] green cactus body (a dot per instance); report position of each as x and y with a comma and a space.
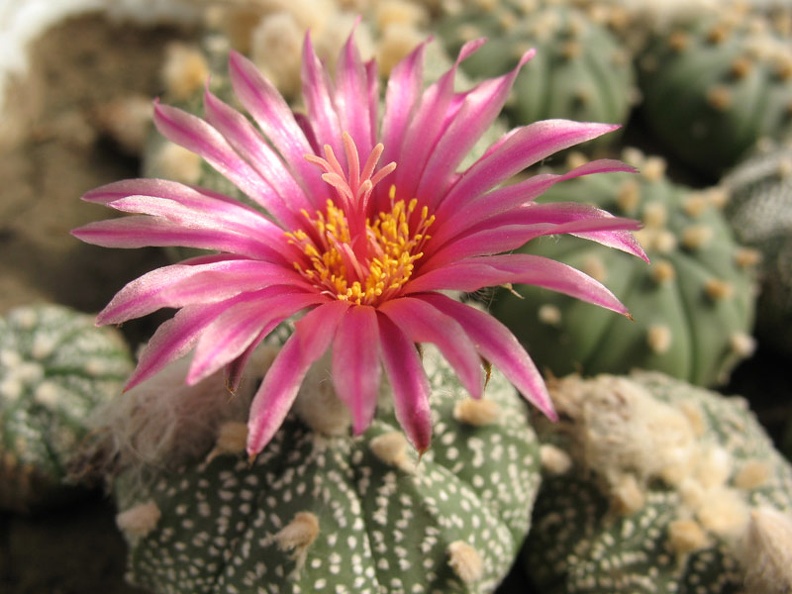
317, 512
760, 211
693, 306
666, 487
579, 71
713, 87
55, 367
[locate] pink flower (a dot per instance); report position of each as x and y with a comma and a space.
362, 225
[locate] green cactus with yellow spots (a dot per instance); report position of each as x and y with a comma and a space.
692, 307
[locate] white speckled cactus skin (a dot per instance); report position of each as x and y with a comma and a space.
693, 306
55, 368
322, 513
668, 488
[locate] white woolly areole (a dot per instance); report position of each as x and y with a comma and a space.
138, 521
163, 422
768, 552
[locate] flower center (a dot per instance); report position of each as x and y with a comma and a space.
352, 257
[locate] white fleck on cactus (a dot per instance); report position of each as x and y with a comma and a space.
55, 367
323, 511
672, 488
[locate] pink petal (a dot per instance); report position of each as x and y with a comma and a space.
242, 324
322, 113
275, 119
179, 285
479, 109
198, 136
498, 345
512, 230
273, 400
476, 273
434, 113
173, 340
352, 96
356, 366
522, 148
402, 95
421, 322
408, 382
458, 221
288, 196
145, 231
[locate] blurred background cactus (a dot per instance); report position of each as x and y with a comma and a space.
653, 485
579, 72
714, 86
56, 367
693, 307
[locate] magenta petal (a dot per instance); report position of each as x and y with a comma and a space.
421, 322
173, 340
490, 271
312, 336
503, 200
408, 382
275, 119
243, 322
479, 108
499, 346
356, 366
180, 284
288, 196
198, 136
145, 231
523, 148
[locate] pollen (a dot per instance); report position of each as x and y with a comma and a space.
352, 257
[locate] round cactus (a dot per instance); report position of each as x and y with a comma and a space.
760, 210
693, 306
712, 87
55, 367
651, 486
579, 71
319, 510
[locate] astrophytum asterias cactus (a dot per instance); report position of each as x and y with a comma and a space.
320, 511
55, 367
656, 486
693, 307
714, 86
580, 70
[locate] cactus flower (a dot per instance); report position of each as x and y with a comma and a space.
359, 224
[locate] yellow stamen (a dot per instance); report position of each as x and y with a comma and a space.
362, 270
